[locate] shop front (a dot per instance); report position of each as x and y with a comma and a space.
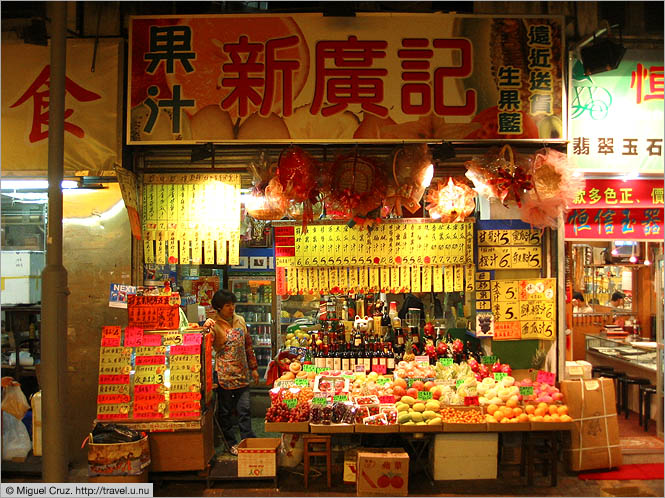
614, 232
413, 238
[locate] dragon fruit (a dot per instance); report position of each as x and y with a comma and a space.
484, 371
474, 365
497, 367
505, 368
458, 346
441, 348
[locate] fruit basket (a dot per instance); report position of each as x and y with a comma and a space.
464, 415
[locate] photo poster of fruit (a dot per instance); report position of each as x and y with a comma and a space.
524, 309
190, 218
249, 78
204, 288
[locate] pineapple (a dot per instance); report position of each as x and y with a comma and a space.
408, 351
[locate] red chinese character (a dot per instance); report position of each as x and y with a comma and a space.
243, 85
41, 103
462, 71
655, 76
416, 66
352, 80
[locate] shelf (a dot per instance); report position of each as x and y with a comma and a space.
258, 323
253, 304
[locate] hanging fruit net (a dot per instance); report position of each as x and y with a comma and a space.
412, 172
259, 204
451, 201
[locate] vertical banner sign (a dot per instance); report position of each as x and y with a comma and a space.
617, 209
93, 125
440, 76
201, 209
616, 117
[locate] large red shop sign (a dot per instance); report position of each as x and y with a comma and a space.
617, 209
312, 78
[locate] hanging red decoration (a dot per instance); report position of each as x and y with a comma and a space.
259, 205
356, 188
500, 175
297, 174
451, 201
412, 172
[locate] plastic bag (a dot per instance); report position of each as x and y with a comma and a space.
114, 433
15, 439
14, 401
292, 450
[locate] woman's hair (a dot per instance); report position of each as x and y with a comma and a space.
578, 296
222, 297
617, 295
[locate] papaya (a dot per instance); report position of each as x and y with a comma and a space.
403, 417
429, 414
433, 405
408, 400
409, 423
434, 421
402, 407
419, 407
417, 417
421, 423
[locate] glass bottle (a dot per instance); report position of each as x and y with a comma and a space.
337, 358
390, 358
329, 358
352, 357
346, 358
367, 359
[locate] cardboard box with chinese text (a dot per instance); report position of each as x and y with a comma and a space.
385, 473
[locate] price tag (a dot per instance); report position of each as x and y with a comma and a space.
471, 400
302, 382
459, 383
422, 360
489, 360
360, 368
410, 382
446, 362
498, 376
340, 397
546, 377
382, 381
318, 401
390, 399
321, 369
380, 369
424, 395
350, 377
309, 368
526, 390
291, 403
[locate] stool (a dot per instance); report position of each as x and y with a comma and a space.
645, 396
310, 452
615, 376
624, 382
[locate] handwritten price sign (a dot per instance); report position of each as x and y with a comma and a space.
471, 401
499, 376
424, 395
380, 369
489, 360
446, 362
292, 403
526, 390
546, 377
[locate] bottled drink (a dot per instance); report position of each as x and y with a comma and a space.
352, 358
400, 339
386, 328
383, 355
337, 359
329, 358
357, 339
346, 358
367, 359
390, 358
374, 355
319, 360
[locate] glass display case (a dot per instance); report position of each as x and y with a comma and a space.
256, 304
636, 352
293, 308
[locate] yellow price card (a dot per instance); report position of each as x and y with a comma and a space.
149, 374
363, 278
323, 280
234, 248
385, 278
426, 275
353, 279
292, 280
209, 251
469, 278
113, 389
148, 249
160, 255
505, 290
491, 258
483, 294
197, 249
459, 278
526, 257
543, 330
416, 283
183, 246
482, 275
394, 279
313, 279
404, 279
506, 311
484, 305
302, 280
437, 278
221, 251
374, 283
483, 285
537, 310
333, 277
448, 279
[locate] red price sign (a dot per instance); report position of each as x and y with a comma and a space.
152, 340
471, 400
133, 337
110, 336
192, 339
389, 399
546, 377
380, 369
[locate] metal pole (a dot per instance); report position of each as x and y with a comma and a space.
561, 297
54, 276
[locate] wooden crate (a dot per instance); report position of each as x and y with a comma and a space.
332, 428
464, 456
183, 450
287, 427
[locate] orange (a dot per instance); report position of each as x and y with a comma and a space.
492, 408
538, 418
539, 412
400, 382
523, 418
555, 417
511, 403
490, 419
517, 412
562, 410
530, 409
498, 415
553, 409
542, 405
504, 420
531, 417
566, 418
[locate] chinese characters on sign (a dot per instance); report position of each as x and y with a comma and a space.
191, 218
524, 309
614, 209
303, 69
509, 249
617, 116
